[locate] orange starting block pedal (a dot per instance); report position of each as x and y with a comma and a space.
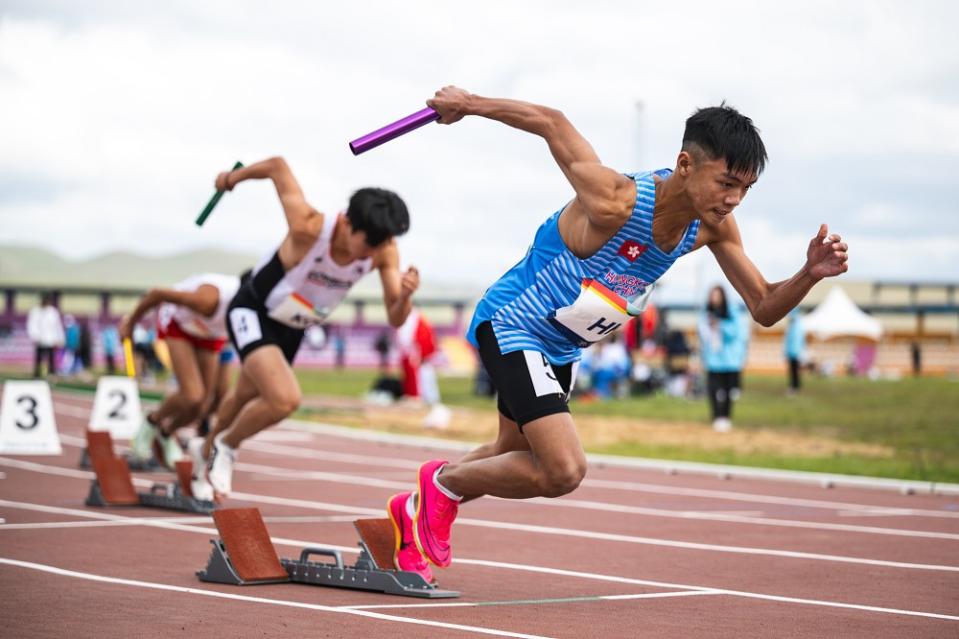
114, 484
244, 556
100, 443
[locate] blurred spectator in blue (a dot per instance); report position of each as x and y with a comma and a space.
721, 350
740, 348
610, 367
110, 339
71, 348
148, 364
45, 329
339, 348
84, 347
794, 346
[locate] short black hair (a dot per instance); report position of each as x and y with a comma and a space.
380, 213
720, 309
723, 132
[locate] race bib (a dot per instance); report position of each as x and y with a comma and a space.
246, 326
297, 312
596, 313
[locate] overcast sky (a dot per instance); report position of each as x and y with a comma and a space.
116, 116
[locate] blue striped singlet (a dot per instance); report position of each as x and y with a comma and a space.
525, 303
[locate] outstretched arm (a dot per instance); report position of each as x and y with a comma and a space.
605, 195
203, 301
826, 256
398, 288
304, 221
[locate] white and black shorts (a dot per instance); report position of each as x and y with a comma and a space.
250, 327
528, 386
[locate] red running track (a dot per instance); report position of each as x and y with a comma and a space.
631, 553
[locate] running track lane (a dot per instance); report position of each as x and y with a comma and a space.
631, 552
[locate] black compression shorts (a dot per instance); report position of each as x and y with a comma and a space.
250, 327
528, 386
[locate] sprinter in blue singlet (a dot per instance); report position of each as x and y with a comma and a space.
590, 268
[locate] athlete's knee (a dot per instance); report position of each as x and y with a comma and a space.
193, 399
563, 477
287, 401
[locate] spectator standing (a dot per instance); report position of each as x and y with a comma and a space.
720, 350
794, 346
70, 363
110, 339
45, 329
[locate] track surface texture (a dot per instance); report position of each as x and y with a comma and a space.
631, 553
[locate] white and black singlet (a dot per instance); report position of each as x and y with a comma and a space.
274, 305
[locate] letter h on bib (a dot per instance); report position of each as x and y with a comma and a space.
603, 329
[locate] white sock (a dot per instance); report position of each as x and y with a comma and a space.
411, 506
443, 489
223, 446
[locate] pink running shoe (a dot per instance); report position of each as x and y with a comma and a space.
406, 555
435, 513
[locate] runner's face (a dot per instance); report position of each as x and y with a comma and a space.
716, 191
359, 249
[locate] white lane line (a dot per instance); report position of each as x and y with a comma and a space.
546, 530
66, 524
565, 502
544, 570
738, 519
179, 520
263, 600
687, 545
762, 499
151, 522
646, 465
876, 512
738, 593
535, 602
290, 451
278, 435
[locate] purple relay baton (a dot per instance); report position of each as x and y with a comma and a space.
390, 131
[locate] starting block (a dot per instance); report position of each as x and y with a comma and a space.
98, 445
114, 484
134, 463
245, 556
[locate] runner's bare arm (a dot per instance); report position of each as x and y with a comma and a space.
770, 302
203, 300
398, 288
605, 195
304, 221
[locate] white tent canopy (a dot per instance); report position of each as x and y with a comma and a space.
838, 316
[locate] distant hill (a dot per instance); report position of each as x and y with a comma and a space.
31, 265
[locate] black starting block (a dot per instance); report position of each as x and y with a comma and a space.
114, 487
161, 495
245, 556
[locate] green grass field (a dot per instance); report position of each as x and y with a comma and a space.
916, 420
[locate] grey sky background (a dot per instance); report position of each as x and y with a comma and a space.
116, 116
